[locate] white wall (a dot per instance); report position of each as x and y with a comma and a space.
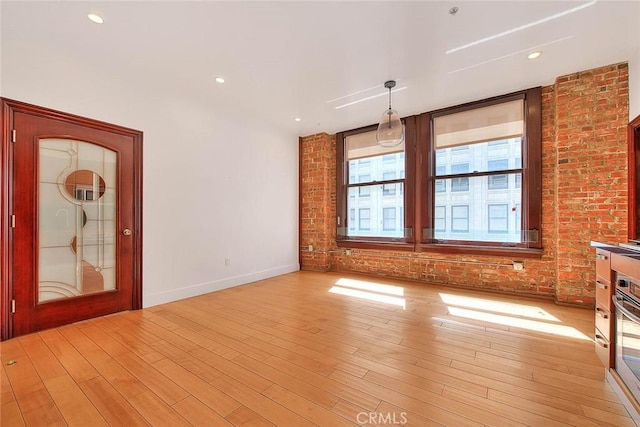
217, 184
634, 86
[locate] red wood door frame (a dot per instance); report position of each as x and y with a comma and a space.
12, 108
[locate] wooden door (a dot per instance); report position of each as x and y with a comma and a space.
74, 218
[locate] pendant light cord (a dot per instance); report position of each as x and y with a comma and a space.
389, 112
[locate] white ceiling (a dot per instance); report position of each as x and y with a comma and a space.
291, 59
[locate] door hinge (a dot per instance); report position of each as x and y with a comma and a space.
13, 221
13, 135
338, 220
13, 306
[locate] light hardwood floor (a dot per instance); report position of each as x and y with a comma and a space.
314, 349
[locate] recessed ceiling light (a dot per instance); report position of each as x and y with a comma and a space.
95, 18
219, 80
534, 55
298, 119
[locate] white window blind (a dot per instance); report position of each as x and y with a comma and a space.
363, 145
492, 123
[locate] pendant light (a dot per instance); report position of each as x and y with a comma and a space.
390, 130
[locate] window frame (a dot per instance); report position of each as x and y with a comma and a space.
493, 181
505, 218
444, 217
361, 217
531, 182
384, 218
388, 189
456, 182
406, 243
453, 219
419, 186
367, 189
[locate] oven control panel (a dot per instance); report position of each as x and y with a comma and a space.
628, 286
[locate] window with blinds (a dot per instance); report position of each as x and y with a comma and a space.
375, 187
468, 178
478, 166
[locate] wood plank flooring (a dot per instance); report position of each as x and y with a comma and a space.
322, 349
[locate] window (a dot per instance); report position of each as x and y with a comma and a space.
499, 134
364, 191
499, 142
380, 193
84, 193
498, 182
460, 148
439, 218
441, 184
459, 184
389, 219
474, 170
389, 189
498, 218
460, 219
352, 219
365, 219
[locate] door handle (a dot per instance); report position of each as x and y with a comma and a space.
127, 232
618, 302
601, 341
601, 285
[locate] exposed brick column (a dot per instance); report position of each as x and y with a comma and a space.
591, 115
549, 195
317, 199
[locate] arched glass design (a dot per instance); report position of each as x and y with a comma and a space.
76, 219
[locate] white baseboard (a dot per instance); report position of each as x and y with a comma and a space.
149, 300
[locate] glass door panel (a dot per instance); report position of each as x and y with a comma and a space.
76, 219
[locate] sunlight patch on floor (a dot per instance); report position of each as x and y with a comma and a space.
371, 286
516, 322
523, 310
370, 291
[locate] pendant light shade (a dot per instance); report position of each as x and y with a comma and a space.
390, 130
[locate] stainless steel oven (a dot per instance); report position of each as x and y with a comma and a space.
627, 340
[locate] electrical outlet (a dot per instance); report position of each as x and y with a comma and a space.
348, 252
227, 262
518, 265
310, 248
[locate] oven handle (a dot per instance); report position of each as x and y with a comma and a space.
617, 301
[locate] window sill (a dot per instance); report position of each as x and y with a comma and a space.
507, 251
440, 248
378, 245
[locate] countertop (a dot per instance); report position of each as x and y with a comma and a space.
614, 248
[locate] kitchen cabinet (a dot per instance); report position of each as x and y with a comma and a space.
603, 321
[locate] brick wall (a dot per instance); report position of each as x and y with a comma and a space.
584, 190
591, 115
317, 200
